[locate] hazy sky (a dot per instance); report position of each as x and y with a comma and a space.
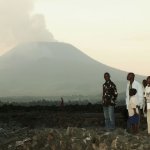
19, 25
114, 32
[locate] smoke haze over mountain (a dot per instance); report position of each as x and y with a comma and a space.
18, 25
54, 68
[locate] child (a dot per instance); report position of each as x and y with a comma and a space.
133, 120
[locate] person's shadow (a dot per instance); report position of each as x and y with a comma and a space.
125, 117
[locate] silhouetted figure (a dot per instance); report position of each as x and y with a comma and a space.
108, 101
62, 103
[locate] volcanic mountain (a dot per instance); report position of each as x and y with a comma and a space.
53, 68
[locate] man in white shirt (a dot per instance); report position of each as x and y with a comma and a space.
136, 85
147, 96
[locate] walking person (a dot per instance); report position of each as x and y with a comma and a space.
108, 101
62, 104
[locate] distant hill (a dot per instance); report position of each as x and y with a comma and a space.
53, 68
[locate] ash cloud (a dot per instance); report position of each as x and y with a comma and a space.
18, 25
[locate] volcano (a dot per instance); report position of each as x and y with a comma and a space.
53, 68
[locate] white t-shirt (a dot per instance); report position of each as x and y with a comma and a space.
132, 104
139, 95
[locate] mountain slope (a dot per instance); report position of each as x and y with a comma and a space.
45, 69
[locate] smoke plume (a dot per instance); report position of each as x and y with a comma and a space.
18, 25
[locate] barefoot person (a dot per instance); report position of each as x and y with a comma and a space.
108, 101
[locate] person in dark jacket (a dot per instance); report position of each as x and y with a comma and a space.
108, 101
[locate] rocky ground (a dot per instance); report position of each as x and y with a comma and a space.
67, 131
73, 138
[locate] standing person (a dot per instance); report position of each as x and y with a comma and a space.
144, 82
139, 95
108, 101
133, 121
62, 103
147, 96
136, 85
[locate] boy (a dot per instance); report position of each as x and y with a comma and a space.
133, 120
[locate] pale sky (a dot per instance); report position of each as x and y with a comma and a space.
114, 32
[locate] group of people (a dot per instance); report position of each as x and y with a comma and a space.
137, 102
